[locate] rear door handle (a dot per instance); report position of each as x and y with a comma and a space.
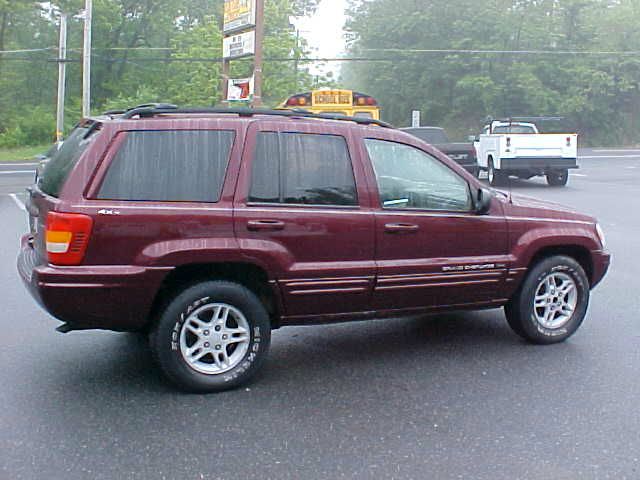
401, 228
272, 225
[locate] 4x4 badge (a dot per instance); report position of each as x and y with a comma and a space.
104, 211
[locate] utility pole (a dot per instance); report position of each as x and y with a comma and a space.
257, 93
62, 67
225, 80
296, 64
86, 60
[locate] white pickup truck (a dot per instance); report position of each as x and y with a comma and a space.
517, 148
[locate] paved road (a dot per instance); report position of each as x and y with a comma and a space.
448, 397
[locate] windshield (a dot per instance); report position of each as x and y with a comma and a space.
434, 136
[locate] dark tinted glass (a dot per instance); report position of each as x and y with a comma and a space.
177, 165
434, 136
302, 169
63, 160
514, 129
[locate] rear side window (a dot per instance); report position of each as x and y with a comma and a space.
57, 170
176, 165
301, 168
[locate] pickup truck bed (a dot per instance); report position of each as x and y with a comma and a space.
528, 155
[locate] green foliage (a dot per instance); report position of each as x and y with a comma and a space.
599, 95
35, 126
150, 51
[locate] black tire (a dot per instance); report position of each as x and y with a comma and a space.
558, 178
520, 310
165, 339
494, 176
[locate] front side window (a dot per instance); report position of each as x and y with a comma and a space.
301, 168
169, 165
410, 178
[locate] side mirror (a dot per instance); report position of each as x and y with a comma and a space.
483, 201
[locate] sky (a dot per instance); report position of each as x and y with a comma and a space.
324, 33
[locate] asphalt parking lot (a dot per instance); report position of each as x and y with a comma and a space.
455, 396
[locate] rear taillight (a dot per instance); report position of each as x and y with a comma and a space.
67, 237
508, 141
568, 141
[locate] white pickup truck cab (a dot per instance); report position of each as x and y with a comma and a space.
519, 149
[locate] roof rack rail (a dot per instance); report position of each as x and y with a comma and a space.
528, 119
120, 111
145, 111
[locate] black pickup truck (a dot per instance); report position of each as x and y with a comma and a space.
462, 153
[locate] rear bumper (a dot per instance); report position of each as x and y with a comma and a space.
111, 297
601, 263
538, 163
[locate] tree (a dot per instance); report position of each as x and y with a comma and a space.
597, 94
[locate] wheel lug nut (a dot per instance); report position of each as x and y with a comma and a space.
206, 332
206, 345
218, 347
224, 337
218, 328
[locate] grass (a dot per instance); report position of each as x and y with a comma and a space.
22, 153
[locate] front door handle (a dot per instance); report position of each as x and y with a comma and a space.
399, 228
272, 225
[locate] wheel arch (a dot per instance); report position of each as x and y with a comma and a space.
250, 275
579, 253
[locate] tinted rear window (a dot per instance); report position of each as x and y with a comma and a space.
62, 162
432, 136
301, 168
177, 165
514, 129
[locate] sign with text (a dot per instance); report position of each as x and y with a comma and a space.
415, 118
333, 97
239, 45
240, 89
239, 14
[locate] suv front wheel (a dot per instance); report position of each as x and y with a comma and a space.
212, 337
552, 301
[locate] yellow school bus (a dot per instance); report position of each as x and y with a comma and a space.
344, 102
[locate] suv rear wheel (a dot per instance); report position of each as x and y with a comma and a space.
552, 302
211, 337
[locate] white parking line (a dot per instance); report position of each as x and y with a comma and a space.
16, 172
609, 156
19, 164
18, 202
627, 150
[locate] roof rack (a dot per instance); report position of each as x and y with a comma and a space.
527, 119
151, 110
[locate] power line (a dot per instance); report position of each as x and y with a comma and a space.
502, 52
387, 50
29, 50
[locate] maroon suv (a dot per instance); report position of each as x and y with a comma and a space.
209, 228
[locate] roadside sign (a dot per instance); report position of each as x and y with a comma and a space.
239, 45
238, 15
240, 89
415, 118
